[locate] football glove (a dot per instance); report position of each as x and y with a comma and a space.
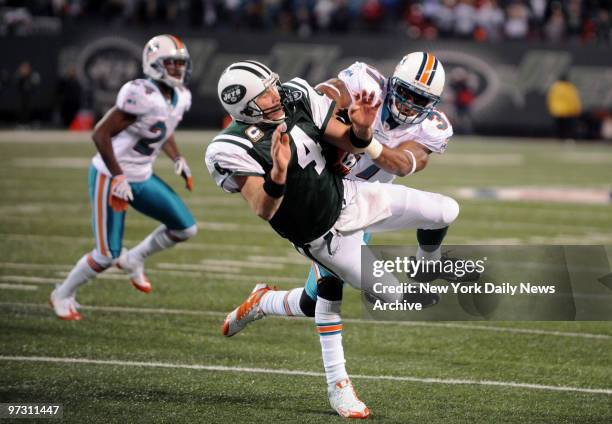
120, 193
181, 168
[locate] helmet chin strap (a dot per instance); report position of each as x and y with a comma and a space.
274, 121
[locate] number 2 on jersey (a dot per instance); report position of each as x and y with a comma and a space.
142, 146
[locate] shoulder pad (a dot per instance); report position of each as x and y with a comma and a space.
135, 97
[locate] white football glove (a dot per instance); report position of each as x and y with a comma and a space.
182, 168
121, 193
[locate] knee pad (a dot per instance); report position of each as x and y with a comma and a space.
183, 235
307, 305
330, 288
102, 260
450, 210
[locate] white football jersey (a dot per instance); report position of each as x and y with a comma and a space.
432, 133
137, 147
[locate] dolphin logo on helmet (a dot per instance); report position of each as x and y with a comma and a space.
161, 48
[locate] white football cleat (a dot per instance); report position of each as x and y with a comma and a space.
345, 402
65, 308
135, 270
247, 312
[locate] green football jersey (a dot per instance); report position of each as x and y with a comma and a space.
314, 193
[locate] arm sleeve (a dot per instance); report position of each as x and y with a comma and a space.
226, 161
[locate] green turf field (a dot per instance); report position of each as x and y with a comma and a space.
160, 357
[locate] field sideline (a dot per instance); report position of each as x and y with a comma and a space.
160, 357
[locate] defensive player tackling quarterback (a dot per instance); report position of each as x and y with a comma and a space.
273, 153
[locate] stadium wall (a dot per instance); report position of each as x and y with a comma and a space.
510, 79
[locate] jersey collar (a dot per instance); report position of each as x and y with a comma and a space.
174, 98
386, 117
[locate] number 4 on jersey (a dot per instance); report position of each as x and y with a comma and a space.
308, 150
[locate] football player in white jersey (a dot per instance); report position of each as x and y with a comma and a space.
410, 128
128, 139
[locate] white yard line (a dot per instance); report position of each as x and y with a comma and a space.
24, 287
28, 279
222, 368
164, 311
232, 264
29, 266
191, 245
290, 259
481, 159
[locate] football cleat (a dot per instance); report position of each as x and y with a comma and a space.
345, 402
247, 312
427, 276
65, 308
135, 270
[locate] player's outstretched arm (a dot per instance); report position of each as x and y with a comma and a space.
181, 167
405, 159
109, 126
357, 137
264, 195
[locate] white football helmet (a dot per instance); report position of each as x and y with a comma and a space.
239, 86
156, 51
415, 87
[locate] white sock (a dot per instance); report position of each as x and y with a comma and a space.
155, 242
85, 269
283, 302
429, 256
329, 326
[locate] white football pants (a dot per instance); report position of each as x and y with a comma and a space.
340, 251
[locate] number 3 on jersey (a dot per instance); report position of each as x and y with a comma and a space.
308, 150
440, 118
143, 144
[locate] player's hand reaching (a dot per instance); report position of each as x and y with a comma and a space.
362, 113
120, 193
281, 154
182, 168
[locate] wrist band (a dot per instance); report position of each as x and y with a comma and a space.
408, 152
374, 149
273, 189
360, 143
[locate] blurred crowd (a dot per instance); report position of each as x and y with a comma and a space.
480, 20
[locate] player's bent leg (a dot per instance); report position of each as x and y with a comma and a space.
157, 200
62, 299
132, 261
412, 208
108, 233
